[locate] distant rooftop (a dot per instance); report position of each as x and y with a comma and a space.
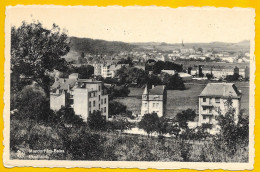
223, 90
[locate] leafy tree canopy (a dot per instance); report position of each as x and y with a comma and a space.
184, 117
149, 123
35, 51
96, 121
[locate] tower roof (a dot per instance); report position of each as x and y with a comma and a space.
145, 90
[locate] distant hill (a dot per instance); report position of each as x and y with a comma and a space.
219, 46
95, 46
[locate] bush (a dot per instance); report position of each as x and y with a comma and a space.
119, 124
31, 103
185, 151
96, 121
67, 115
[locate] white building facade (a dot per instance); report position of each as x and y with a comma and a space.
212, 102
83, 95
154, 101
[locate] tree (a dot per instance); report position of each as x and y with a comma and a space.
184, 117
118, 124
31, 103
96, 121
149, 123
234, 77
67, 115
200, 49
229, 128
163, 126
118, 91
128, 60
175, 83
36, 51
209, 76
116, 108
132, 75
85, 72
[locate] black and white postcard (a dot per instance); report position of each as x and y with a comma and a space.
129, 87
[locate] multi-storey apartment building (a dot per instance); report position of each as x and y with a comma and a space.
108, 70
212, 101
83, 95
154, 100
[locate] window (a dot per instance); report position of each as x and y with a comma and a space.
204, 117
98, 106
99, 88
89, 104
145, 104
89, 112
101, 110
102, 101
204, 108
94, 103
157, 104
153, 104
210, 110
105, 109
99, 97
105, 100
204, 99
217, 100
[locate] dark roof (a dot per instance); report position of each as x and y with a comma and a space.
63, 84
157, 90
220, 90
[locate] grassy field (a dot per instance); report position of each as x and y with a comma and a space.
180, 100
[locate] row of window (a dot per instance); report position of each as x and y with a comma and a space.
152, 112
154, 105
205, 108
217, 99
94, 102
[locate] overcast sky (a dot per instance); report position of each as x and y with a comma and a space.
141, 24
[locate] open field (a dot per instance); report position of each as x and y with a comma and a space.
180, 100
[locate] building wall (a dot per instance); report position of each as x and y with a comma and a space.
152, 104
80, 105
104, 105
211, 108
98, 69
57, 101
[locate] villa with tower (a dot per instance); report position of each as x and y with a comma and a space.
154, 100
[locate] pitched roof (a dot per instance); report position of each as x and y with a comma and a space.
63, 84
223, 90
157, 90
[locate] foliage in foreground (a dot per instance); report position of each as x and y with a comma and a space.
81, 143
